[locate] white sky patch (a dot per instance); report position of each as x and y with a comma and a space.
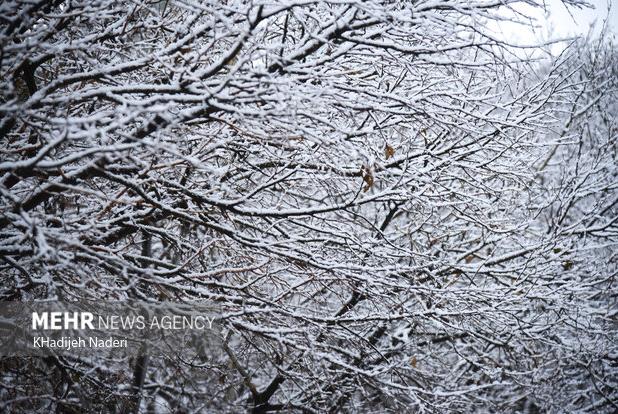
554, 21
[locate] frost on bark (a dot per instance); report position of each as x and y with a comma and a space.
392, 210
